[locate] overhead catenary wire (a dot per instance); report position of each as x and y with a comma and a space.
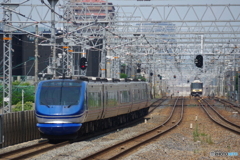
60, 16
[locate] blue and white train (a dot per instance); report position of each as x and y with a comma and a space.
68, 108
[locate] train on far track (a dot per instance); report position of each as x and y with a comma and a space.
68, 108
196, 88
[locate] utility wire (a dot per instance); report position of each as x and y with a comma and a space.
60, 16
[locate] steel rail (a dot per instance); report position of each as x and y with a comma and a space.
30, 151
120, 149
232, 105
217, 118
223, 118
44, 146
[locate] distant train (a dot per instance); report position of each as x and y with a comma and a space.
196, 88
67, 108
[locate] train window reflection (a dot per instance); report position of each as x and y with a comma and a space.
111, 99
61, 83
124, 95
56, 95
136, 94
197, 85
94, 99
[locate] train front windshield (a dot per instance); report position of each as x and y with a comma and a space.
60, 93
197, 85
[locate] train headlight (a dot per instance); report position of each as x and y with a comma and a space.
196, 90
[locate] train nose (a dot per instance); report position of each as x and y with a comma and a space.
59, 129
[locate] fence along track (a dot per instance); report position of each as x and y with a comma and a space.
123, 148
217, 118
18, 127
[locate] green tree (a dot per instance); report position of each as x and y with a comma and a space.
17, 94
27, 106
142, 78
17, 88
123, 75
19, 83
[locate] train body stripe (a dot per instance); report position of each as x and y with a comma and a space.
57, 117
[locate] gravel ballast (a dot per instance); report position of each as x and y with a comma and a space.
195, 138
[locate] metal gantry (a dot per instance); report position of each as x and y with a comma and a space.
7, 55
168, 32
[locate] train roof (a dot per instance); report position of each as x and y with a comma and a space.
100, 79
196, 81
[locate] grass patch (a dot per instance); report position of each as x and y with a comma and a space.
209, 139
196, 133
203, 134
202, 137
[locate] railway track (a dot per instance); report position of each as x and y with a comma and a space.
30, 151
228, 104
218, 118
123, 148
156, 104
44, 146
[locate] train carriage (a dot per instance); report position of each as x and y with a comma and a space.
196, 88
63, 106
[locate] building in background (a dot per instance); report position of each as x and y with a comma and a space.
82, 11
91, 16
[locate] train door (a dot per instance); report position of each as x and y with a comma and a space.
148, 95
94, 101
136, 97
125, 98
110, 100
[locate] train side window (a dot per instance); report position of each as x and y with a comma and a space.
124, 96
140, 94
136, 95
111, 99
144, 94
94, 100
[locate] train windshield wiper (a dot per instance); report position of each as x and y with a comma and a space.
71, 104
45, 104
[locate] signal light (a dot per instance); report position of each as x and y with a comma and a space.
151, 74
138, 70
199, 61
160, 77
83, 63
